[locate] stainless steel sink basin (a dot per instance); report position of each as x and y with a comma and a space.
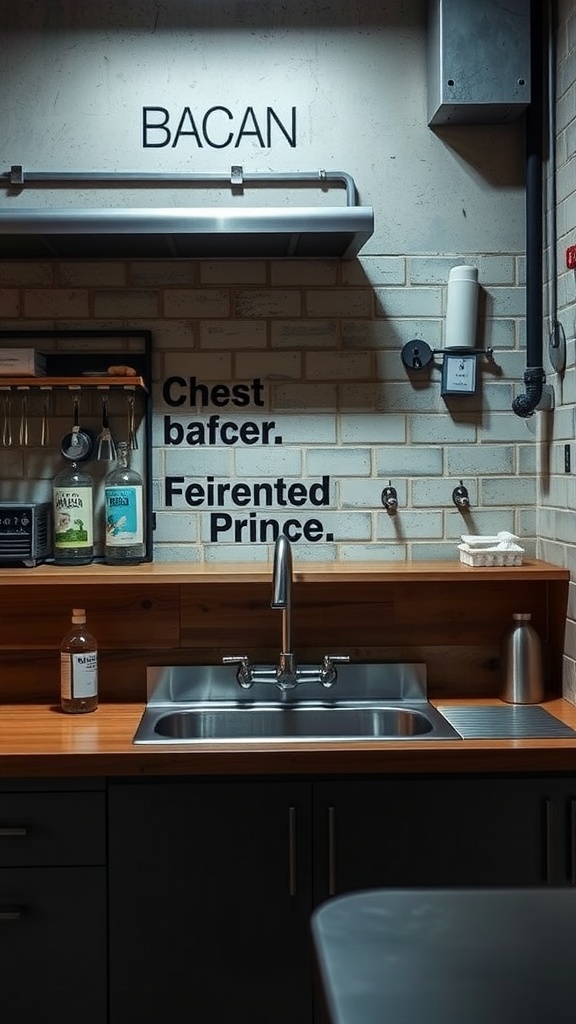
368, 702
335, 699
328, 721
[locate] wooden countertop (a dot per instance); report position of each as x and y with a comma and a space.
39, 740
311, 572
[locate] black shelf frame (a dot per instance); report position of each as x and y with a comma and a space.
74, 364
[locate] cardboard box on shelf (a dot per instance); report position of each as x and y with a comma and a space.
22, 362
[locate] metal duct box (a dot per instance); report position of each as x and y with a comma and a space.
478, 61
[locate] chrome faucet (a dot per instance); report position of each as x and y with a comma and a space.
286, 675
286, 672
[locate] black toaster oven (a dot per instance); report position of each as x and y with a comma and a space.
25, 532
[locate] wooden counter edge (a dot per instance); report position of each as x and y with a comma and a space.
39, 741
501, 757
304, 572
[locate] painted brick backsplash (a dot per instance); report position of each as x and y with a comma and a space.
308, 397
329, 413
304, 273
340, 302
308, 334
95, 275
233, 334
61, 303
375, 270
343, 365
197, 303
10, 303
339, 461
409, 302
129, 302
233, 272
410, 460
269, 303
381, 334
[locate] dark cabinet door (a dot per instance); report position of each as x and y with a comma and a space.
432, 832
53, 945
210, 899
561, 811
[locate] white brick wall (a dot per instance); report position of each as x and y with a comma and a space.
325, 341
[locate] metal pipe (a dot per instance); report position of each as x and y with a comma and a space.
534, 375
18, 178
552, 194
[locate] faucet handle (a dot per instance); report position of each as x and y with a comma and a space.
244, 674
389, 498
460, 496
328, 671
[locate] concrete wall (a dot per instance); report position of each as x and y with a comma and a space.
324, 338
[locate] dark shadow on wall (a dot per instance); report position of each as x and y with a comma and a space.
494, 153
158, 15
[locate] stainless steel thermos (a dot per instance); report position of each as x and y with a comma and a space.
523, 674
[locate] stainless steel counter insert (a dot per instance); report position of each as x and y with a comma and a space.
514, 721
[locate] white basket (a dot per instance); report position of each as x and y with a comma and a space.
481, 558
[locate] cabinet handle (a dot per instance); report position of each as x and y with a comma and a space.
331, 851
572, 844
11, 913
548, 841
15, 831
292, 851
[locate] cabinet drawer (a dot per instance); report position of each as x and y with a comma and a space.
53, 945
52, 829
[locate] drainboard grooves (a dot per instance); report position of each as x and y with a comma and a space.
502, 723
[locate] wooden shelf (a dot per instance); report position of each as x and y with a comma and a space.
84, 381
161, 573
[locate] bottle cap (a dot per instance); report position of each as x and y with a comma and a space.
522, 616
78, 615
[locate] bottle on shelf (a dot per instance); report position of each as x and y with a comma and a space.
523, 681
78, 667
124, 512
72, 492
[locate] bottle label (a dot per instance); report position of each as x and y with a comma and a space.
73, 517
124, 519
79, 675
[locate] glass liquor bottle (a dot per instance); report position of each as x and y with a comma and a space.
78, 667
124, 513
73, 516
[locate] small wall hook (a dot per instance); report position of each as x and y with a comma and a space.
389, 498
460, 496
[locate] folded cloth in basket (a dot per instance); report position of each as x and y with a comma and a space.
502, 541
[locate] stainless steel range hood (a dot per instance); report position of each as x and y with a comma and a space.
183, 231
